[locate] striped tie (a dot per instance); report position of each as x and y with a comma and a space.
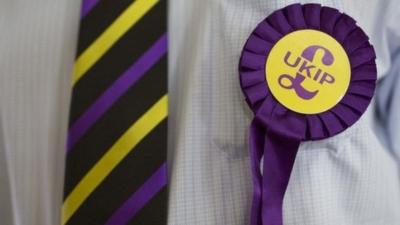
116, 153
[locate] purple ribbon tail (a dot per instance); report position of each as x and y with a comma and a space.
256, 142
278, 153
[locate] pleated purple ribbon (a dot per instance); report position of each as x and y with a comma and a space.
276, 132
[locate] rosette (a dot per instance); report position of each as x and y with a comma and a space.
307, 72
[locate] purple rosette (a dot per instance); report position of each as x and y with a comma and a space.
276, 131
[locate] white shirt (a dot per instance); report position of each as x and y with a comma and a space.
350, 179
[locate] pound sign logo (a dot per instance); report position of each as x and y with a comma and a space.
308, 71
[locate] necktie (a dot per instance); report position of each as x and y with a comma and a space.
116, 151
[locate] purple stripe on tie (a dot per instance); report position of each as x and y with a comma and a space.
87, 5
140, 198
116, 90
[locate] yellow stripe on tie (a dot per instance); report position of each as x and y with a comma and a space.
140, 129
107, 39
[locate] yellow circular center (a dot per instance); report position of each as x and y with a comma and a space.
308, 71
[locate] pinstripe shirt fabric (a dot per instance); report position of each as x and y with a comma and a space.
350, 179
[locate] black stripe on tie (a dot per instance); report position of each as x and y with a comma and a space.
124, 180
98, 19
154, 212
117, 60
106, 131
